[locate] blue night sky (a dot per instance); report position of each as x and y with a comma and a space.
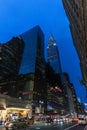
18, 16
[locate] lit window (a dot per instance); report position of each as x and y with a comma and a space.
54, 44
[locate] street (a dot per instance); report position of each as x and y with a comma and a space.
71, 126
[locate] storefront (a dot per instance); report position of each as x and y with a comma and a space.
10, 106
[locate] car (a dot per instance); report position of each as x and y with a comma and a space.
82, 121
75, 119
19, 123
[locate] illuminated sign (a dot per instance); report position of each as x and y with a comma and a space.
27, 92
56, 89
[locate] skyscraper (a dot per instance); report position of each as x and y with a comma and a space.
53, 55
74, 106
10, 57
55, 79
33, 65
76, 11
33, 51
23, 58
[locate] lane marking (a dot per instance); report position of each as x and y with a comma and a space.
70, 127
37, 128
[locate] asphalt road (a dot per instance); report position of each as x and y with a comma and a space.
71, 126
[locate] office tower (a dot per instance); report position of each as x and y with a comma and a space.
76, 11
28, 78
53, 55
10, 58
54, 75
74, 107
33, 66
33, 57
55, 101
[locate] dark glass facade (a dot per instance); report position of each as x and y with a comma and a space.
33, 60
33, 63
10, 57
33, 51
24, 62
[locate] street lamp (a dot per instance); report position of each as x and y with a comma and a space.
41, 102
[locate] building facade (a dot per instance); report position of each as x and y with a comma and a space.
10, 60
33, 66
28, 75
71, 97
55, 98
10, 57
53, 55
76, 11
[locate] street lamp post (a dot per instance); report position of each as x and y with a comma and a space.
41, 103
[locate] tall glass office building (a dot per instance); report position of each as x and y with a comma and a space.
33, 65
22, 60
33, 51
